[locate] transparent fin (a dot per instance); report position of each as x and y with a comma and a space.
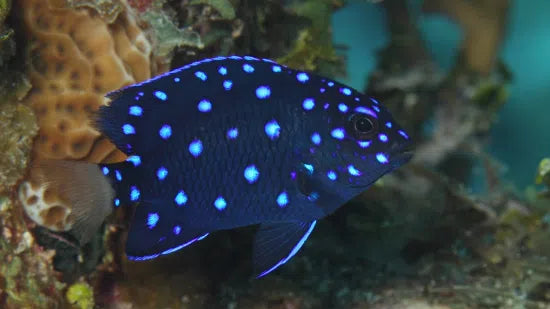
83, 186
276, 243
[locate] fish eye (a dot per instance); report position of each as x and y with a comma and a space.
363, 125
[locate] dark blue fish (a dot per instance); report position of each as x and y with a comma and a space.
234, 141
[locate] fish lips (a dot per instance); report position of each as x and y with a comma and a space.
401, 155
401, 158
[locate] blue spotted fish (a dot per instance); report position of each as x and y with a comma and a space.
235, 141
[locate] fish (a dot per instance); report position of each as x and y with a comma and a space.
234, 141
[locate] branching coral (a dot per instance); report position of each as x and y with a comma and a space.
484, 24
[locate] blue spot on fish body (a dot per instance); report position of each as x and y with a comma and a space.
227, 84
136, 160
263, 92
232, 133
181, 198
152, 220
161, 95
220, 203
233, 141
135, 110
205, 106
128, 129
165, 131
282, 199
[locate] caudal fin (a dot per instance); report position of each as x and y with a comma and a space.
82, 186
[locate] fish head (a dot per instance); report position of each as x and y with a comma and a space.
362, 143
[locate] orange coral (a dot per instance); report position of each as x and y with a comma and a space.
75, 58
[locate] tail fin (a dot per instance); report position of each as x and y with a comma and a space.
83, 186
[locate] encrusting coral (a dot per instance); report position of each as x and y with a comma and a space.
78, 52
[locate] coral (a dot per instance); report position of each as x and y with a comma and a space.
17, 130
484, 25
76, 58
79, 51
81, 296
107, 9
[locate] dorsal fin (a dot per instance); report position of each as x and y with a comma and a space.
141, 115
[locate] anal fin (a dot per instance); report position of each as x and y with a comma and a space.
156, 230
276, 243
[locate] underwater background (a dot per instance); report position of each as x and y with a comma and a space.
463, 225
360, 26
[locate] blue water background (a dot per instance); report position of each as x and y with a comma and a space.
521, 137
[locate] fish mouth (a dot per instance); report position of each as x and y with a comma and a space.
397, 159
401, 158
401, 155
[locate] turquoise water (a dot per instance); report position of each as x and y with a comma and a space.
521, 137
360, 26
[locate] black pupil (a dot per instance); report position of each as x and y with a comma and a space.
364, 125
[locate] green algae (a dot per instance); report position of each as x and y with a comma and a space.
7, 46
543, 178
168, 35
223, 7
313, 48
5, 6
5, 33
17, 130
543, 172
491, 94
81, 295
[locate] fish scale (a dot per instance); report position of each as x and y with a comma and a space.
234, 141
